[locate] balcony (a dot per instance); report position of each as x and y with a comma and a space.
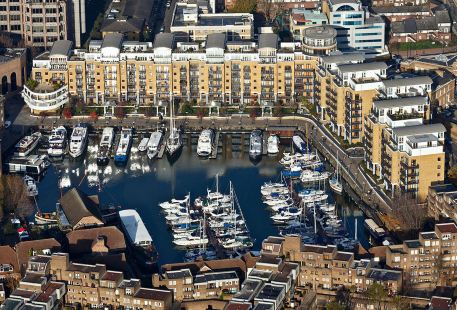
45, 97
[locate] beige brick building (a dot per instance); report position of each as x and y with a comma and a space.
39, 23
95, 286
430, 260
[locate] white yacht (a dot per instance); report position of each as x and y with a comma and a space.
255, 144
154, 144
335, 182
143, 146
205, 143
58, 142
273, 144
78, 140
27, 144
106, 144
299, 144
174, 141
30, 185
123, 148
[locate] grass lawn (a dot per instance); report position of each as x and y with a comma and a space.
419, 45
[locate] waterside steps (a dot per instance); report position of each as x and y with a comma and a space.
215, 146
162, 147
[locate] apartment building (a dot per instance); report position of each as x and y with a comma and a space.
205, 285
442, 201
152, 75
39, 23
399, 13
36, 290
400, 147
94, 286
436, 27
300, 19
357, 30
345, 88
189, 22
430, 260
398, 3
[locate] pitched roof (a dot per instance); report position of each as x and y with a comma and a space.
268, 40
214, 265
447, 228
77, 205
216, 40
123, 25
164, 40
400, 9
113, 40
9, 256
408, 81
80, 241
24, 248
61, 48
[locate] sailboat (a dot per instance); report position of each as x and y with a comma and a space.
335, 181
174, 141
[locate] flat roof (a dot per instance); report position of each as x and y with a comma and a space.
249, 288
418, 129
134, 226
270, 291
113, 40
362, 67
400, 102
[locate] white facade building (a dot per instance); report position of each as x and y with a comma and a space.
356, 28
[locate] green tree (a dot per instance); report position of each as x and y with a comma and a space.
244, 6
376, 294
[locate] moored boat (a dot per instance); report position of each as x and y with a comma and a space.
154, 144
57, 142
255, 144
78, 140
299, 144
273, 144
123, 148
27, 144
143, 146
205, 143
105, 146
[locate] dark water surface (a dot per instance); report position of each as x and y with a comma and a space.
143, 184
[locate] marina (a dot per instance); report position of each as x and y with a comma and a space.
142, 184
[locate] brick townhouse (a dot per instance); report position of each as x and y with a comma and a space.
428, 261
95, 286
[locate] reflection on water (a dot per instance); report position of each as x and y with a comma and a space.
142, 184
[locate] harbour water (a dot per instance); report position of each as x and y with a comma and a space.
142, 184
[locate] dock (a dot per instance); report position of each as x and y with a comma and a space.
216, 146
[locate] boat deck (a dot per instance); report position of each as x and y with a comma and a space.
265, 143
163, 145
215, 146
